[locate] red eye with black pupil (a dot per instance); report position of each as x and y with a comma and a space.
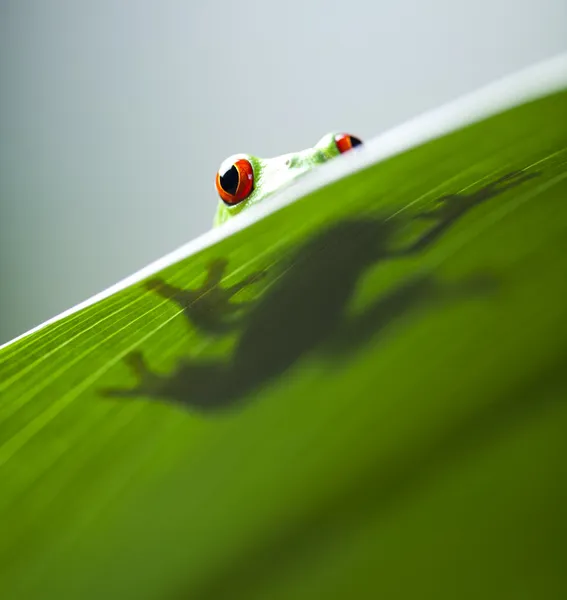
235, 181
346, 142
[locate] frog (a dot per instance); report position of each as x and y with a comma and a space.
244, 180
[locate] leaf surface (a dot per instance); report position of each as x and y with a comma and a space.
359, 395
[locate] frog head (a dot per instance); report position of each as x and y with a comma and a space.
244, 180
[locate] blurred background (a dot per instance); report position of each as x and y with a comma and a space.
114, 116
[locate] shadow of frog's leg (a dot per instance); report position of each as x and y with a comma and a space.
386, 311
148, 383
453, 206
400, 304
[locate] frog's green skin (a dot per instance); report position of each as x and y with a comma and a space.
271, 174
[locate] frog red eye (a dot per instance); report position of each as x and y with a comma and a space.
346, 142
235, 181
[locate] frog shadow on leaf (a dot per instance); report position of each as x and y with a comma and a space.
305, 309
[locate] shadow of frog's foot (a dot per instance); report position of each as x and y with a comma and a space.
148, 383
209, 307
201, 385
215, 272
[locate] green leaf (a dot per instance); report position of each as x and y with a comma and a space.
360, 394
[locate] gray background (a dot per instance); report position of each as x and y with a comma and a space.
115, 115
